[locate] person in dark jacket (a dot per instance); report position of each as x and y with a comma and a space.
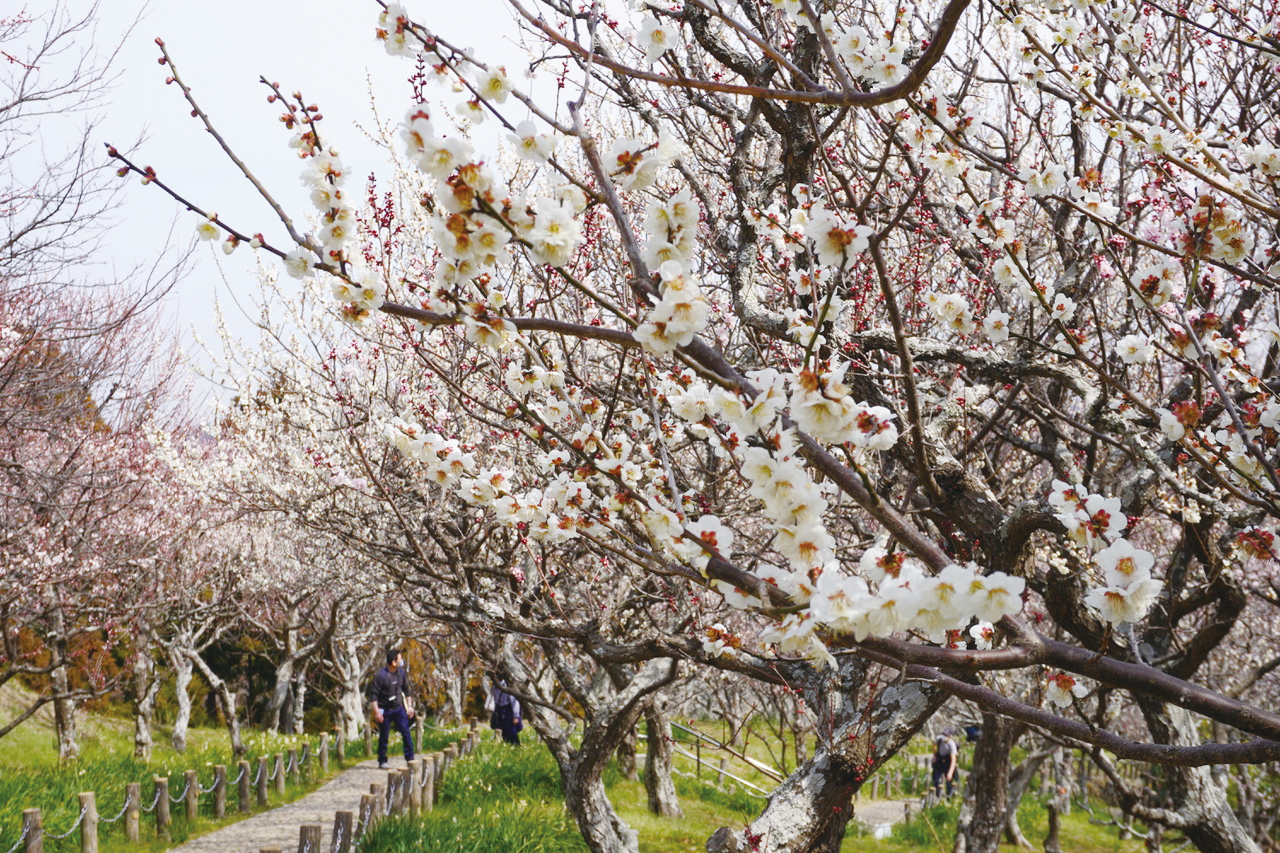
391, 697
504, 713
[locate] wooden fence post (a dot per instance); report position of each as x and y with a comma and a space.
437, 763
242, 804
295, 771
219, 791
324, 752
193, 794
343, 825
162, 806
414, 791
133, 812
33, 831
309, 838
379, 793
262, 780
88, 823
306, 756
340, 749
279, 771
417, 730
368, 739
428, 783
366, 814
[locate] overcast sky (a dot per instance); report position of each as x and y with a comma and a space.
324, 48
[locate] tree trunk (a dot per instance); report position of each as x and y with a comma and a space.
601, 827
181, 665
455, 688
146, 686
226, 699
657, 766
297, 717
985, 810
1204, 814
279, 694
1051, 842
64, 707
626, 753
347, 661
801, 810
1019, 782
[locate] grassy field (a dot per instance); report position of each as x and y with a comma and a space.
32, 777
504, 800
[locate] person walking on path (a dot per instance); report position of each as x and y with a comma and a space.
504, 713
945, 755
391, 697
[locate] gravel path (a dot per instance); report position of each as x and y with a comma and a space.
877, 812
279, 827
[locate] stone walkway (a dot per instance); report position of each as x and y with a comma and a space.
879, 816
279, 827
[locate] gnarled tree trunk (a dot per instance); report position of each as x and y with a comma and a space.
226, 699
984, 814
1203, 813
298, 707
180, 663
64, 707
663, 800
801, 811
146, 687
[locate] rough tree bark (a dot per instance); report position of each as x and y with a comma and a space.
64, 707
1199, 805
298, 706
984, 813
350, 675
226, 699
1019, 782
180, 663
627, 755
146, 687
608, 715
800, 814
663, 800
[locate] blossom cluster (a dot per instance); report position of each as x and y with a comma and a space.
1096, 522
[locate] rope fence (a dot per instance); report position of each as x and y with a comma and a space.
26, 830
73, 828
213, 798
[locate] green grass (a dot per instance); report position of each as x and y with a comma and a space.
503, 799
32, 777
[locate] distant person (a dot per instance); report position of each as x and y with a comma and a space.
945, 755
391, 697
504, 713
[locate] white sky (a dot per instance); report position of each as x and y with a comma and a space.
324, 48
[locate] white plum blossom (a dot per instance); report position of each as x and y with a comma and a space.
635, 164
657, 37
984, 634
555, 232
996, 326
1062, 689
393, 31
1043, 182
679, 315
531, 145
296, 264
836, 240
1171, 426
1135, 349
208, 229
1120, 604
